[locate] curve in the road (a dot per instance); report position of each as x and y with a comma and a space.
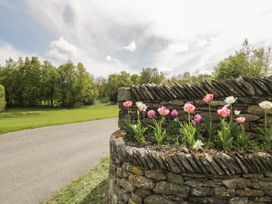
36, 163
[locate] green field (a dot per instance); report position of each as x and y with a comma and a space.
13, 119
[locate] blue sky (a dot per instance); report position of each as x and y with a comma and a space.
109, 36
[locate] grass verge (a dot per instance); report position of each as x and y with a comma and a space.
13, 119
90, 188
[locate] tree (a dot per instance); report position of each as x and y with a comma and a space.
49, 83
2, 98
30, 75
151, 75
67, 83
85, 86
114, 82
247, 61
11, 80
30, 83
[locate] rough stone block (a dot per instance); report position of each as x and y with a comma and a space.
164, 187
155, 174
157, 199
237, 183
141, 182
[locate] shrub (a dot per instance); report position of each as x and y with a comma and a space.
2, 98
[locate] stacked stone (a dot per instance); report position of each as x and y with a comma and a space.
250, 92
243, 87
140, 176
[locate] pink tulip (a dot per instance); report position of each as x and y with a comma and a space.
240, 119
151, 114
127, 104
223, 112
174, 113
189, 108
197, 119
208, 98
163, 111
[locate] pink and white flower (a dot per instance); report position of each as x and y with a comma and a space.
266, 105
151, 114
141, 106
127, 104
208, 98
224, 112
163, 111
174, 113
240, 120
230, 100
189, 108
197, 119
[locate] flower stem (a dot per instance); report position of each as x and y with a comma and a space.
231, 114
265, 122
128, 112
189, 118
210, 122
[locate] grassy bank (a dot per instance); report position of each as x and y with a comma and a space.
13, 119
91, 188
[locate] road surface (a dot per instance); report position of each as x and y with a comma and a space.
36, 163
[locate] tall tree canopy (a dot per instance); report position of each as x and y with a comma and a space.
248, 61
29, 82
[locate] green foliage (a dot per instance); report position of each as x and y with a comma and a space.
2, 98
127, 127
108, 88
159, 132
266, 136
245, 62
187, 78
188, 134
32, 83
243, 139
225, 138
114, 82
151, 75
139, 132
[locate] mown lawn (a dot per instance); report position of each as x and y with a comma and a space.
90, 188
13, 119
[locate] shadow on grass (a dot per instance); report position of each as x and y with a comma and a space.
99, 195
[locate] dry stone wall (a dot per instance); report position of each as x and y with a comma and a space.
144, 176
249, 91
141, 176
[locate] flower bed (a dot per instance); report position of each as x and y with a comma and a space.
204, 135
229, 133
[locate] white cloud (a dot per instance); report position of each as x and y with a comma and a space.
131, 47
62, 50
198, 33
8, 51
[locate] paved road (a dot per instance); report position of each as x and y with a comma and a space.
36, 163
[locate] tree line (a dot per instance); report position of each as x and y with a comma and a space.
28, 82
247, 61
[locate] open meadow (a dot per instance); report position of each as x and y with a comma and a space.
13, 119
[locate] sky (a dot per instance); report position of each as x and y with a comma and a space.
107, 36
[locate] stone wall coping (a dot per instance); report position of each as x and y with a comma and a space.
202, 163
242, 87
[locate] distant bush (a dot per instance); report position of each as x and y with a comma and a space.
2, 98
